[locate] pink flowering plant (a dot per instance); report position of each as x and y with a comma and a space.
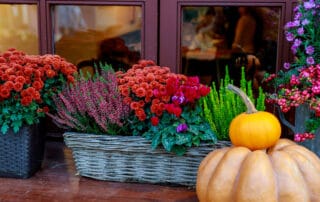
165, 106
92, 105
299, 82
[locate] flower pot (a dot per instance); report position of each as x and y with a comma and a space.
131, 159
22, 152
302, 114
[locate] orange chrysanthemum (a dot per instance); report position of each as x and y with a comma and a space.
18, 86
4, 92
26, 100
38, 85
140, 92
50, 73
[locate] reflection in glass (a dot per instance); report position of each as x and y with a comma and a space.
88, 35
19, 27
213, 37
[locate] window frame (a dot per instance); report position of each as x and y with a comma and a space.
149, 32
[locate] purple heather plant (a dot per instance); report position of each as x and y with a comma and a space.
92, 105
303, 32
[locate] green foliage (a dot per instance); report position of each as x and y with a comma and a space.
14, 115
220, 106
313, 124
166, 133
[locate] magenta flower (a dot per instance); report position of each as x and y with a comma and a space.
294, 49
310, 60
309, 5
297, 42
178, 100
300, 31
305, 22
286, 65
289, 36
309, 50
182, 128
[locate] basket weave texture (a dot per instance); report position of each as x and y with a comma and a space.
21, 153
131, 159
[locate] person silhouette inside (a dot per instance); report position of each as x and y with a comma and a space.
111, 51
247, 39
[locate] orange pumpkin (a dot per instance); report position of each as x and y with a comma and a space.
286, 172
253, 129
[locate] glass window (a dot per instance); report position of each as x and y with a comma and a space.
217, 36
88, 35
19, 27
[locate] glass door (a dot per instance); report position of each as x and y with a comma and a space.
114, 32
207, 37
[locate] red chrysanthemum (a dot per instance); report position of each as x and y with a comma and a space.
26, 100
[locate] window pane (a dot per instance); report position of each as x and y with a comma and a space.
213, 37
90, 34
19, 27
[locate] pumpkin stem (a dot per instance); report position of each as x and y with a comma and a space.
250, 106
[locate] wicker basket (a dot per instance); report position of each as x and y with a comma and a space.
21, 153
131, 159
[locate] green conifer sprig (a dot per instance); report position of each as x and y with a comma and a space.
220, 106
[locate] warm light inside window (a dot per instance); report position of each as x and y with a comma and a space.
85, 33
19, 27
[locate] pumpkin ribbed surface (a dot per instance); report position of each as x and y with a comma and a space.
285, 172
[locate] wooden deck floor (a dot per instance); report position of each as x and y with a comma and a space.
56, 181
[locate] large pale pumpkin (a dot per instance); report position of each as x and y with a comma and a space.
253, 129
286, 172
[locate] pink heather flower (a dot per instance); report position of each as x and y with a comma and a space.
95, 100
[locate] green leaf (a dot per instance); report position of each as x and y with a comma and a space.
4, 128
183, 138
29, 120
196, 140
5, 110
179, 150
168, 141
208, 136
16, 125
194, 129
156, 140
